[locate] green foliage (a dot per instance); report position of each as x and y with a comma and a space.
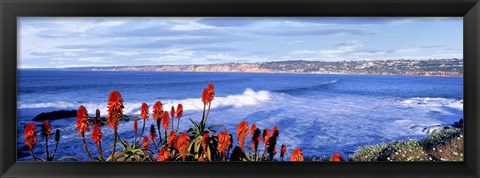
440, 137
445, 145
132, 152
371, 152
210, 152
409, 150
442, 145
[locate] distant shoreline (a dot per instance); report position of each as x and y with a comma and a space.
298, 73
434, 67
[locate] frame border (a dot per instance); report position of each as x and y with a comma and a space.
11, 9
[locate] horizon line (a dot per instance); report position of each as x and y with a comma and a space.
19, 67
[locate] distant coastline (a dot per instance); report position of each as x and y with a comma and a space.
433, 67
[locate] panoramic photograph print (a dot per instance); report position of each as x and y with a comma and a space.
321, 89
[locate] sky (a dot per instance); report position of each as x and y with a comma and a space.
61, 42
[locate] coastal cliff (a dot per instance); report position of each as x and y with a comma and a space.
435, 67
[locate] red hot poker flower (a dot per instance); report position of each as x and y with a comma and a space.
30, 135
145, 143
211, 92
135, 125
242, 132
253, 128
297, 155
182, 144
266, 136
172, 112
283, 149
46, 129
82, 120
115, 109
157, 111
165, 120
163, 155
144, 111
179, 111
223, 143
97, 134
273, 141
336, 157
208, 94
172, 138
205, 96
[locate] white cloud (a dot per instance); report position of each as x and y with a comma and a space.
91, 59
342, 48
117, 53
173, 51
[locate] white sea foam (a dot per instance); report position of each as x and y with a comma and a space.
248, 97
429, 102
435, 104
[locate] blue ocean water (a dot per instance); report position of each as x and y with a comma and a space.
321, 114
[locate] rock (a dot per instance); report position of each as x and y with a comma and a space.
103, 120
458, 124
61, 114
433, 128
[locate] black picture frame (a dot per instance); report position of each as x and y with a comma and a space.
11, 9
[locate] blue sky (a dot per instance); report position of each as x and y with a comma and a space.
53, 42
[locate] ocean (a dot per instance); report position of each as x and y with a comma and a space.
319, 113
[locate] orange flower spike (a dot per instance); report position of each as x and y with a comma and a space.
242, 132
223, 143
205, 140
144, 111
157, 111
165, 120
273, 141
205, 96
336, 157
211, 92
82, 120
182, 144
275, 130
46, 129
163, 155
145, 143
153, 132
297, 155
266, 136
97, 134
135, 125
30, 135
253, 128
283, 149
179, 111
172, 112
115, 109
171, 139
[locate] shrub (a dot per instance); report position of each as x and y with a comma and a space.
409, 150
442, 145
440, 137
370, 152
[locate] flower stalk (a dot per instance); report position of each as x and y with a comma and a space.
115, 112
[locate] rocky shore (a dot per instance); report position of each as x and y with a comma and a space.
436, 67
